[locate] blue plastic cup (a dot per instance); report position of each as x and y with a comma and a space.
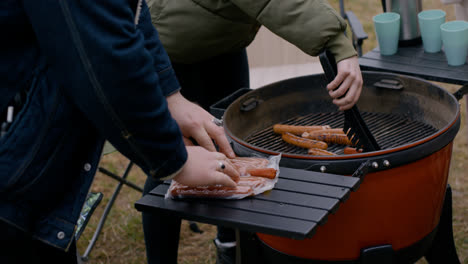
455, 41
429, 24
387, 30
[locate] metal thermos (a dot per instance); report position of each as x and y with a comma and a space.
409, 26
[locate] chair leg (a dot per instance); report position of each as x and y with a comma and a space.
120, 179
109, 205
443, 248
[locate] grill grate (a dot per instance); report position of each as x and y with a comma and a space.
389, 130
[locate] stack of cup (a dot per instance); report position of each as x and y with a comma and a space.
387, 30
429, 25
455, 40
453, 35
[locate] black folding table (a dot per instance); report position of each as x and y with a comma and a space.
413, 61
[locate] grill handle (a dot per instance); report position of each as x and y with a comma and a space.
461, 92
250, 104
389, 84
218, 108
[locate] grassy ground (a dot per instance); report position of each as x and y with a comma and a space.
121, 240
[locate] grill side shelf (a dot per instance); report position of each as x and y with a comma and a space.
300, 201
239, 219
321, 178
259, 206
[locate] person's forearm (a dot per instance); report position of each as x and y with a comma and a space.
341, 47
155, 48
310, 25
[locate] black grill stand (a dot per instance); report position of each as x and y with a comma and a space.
438, 247
443, 248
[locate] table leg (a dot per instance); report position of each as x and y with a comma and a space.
247, 250
466, 115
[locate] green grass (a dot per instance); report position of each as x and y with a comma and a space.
121, 241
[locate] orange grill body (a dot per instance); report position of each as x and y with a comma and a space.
398, 206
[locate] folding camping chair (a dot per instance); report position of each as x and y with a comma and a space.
94, 199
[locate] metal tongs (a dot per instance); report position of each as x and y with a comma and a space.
354, 125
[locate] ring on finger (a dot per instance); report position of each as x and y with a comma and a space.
216, 121
221, 165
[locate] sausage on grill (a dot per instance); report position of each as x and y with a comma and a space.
303, 142
331, 131
334, 138
349, 150
296, 130
320, 152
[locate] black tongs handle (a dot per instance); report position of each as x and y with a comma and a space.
328, 64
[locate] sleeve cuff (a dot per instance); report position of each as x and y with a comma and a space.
171, 176
341, 47
168, 81
172, 166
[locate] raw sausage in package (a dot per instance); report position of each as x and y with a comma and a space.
257, 176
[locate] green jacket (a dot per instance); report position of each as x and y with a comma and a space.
194, 30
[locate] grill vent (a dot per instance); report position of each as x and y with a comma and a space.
389, 130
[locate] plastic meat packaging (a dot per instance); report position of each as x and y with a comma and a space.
258, 175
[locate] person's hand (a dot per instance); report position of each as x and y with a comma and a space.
187, 141
350, 77
207, 168
196, 123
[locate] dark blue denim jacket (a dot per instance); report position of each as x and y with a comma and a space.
94, 71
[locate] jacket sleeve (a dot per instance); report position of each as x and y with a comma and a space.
154, 46
311, 25
108, 69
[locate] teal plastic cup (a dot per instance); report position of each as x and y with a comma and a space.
429, 25
387, 30
455, 41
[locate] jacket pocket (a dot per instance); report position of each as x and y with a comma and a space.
27, 136
31, 176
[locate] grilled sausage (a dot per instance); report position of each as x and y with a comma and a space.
349, 150
303, 142
320, 152
296, 130
331, 131
329, 137
269, 173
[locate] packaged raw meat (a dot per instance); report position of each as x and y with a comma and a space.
257, 176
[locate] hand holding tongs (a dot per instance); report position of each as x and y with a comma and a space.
354, 126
